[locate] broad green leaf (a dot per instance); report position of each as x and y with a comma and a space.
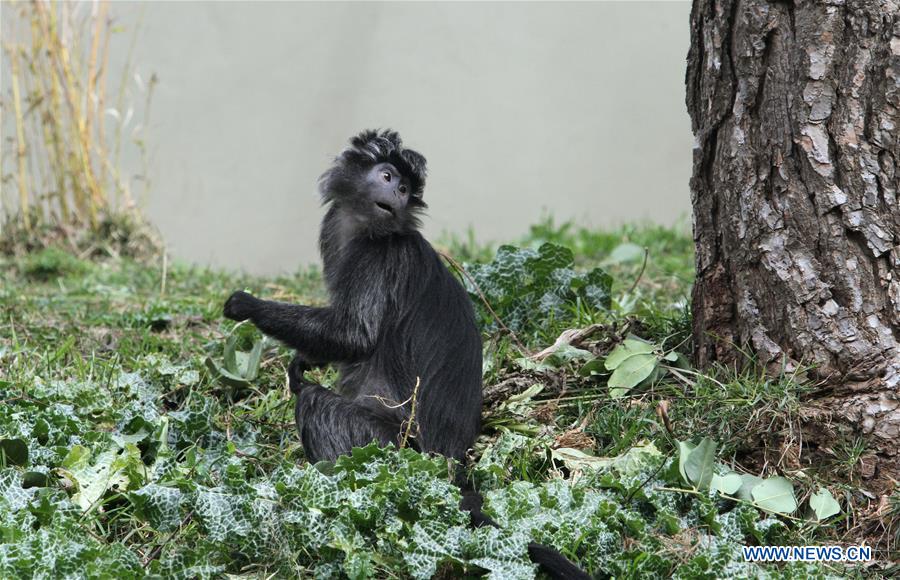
629, 348
229, 359
748, 482
94, 475
639, 457
775, 494
566, 353
529, 364
823, 504
13, 452
252, 365
630, 373
727, 484
684, 452
225, 376
700, 465
593, 367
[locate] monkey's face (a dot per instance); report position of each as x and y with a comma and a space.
379, 197
376, 185
388, 191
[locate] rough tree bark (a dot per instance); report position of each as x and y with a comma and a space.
794, 107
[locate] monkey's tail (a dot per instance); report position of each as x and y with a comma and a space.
548, 560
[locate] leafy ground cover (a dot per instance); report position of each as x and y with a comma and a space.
141, 434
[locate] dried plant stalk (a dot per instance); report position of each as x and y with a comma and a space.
66, 169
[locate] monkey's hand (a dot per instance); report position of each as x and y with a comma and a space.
240, 306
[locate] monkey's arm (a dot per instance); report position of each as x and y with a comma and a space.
323, 335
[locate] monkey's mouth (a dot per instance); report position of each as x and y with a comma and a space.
384, 207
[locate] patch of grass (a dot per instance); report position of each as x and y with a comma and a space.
52, 262
141, 460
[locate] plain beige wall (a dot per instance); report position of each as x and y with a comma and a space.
520, 108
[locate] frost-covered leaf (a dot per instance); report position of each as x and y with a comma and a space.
526, 287
159, 506
94, 474
11, 490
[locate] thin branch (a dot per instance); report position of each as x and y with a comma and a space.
571, 336
641, 273
412, 415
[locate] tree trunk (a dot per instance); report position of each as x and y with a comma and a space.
794, 108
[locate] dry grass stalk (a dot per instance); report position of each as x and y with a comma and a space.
58, 56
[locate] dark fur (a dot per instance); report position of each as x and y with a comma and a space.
397, 317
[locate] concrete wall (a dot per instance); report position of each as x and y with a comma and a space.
520, 108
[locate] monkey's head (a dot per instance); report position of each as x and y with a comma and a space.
377, 182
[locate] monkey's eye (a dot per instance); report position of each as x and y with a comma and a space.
386, 176
402, 189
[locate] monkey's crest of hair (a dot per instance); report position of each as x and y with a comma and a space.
371, 147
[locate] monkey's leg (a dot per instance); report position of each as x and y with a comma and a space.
330, 425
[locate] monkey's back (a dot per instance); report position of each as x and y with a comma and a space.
428, 337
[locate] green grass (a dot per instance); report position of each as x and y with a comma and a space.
141, 460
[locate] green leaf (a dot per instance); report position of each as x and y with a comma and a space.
159, 506
775, 494
700, 464
748, 482
229, 360
225, 376
252, 365
684, 451
567, 353
13, 452
630, 373
824, 505
94, 475
727, 484
629, 348
528, 288
592, 368
35, 479
624, 253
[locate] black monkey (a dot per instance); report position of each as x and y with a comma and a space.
399, 326
397, 316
